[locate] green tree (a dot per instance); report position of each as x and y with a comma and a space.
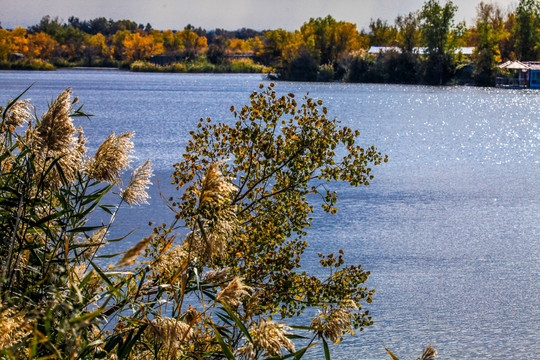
275, 45
486, 54
507, 44
436, 27
527, 30
47, 25
381, 33
408, 36
328, 39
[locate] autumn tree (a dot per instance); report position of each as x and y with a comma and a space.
41, 45
5, 44
192, 44
171, 43
276, 41
507, 43
436, 27
140, 46
19, 40
97, 48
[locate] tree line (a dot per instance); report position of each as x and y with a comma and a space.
424, 45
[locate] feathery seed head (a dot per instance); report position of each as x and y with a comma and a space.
80, 145
170, 334
12, 326
333, 324
233, 293
212, 243
134, 252
113, 156
215, 188
216, 276
96, 241
168, 264
135, 192
429, 353
269, 337
17, 115
56, 131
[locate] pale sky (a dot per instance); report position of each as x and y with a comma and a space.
226, 14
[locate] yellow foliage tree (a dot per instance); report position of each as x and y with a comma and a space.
19, 40
137, 46
190, 41
237, 46
5, 44
41, 45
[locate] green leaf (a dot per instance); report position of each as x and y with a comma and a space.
297, 355
226, 350
238, 322
326, 349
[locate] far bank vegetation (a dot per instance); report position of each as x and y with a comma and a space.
419, 47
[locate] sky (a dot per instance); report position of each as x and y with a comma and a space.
224, 14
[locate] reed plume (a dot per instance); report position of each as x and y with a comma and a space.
17, 115
12, 327
168, 264
215, 188
216, 276
170, 334
233, 293
135, 192
56, 132
334, 323
113, 156
269, 337
211, 242
131, 255
429, 353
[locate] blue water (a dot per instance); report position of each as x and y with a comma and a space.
449, 228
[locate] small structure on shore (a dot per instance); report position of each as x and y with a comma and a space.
519, 74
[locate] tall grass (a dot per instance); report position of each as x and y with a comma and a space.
27, 64
201, 66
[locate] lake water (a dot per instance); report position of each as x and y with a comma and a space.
449, 228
